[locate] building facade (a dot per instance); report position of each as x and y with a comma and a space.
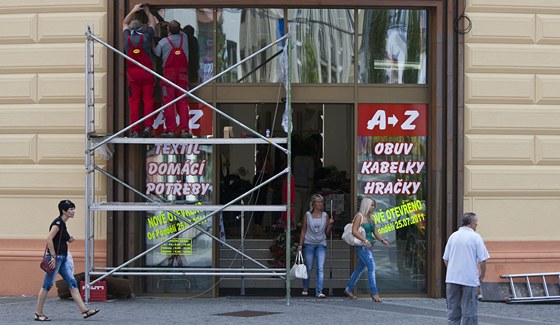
486, 99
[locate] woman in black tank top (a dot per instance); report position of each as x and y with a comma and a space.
57, 251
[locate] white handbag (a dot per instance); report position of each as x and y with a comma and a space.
348, 236
299, 270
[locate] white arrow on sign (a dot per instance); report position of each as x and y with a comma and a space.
381, 120
393, 120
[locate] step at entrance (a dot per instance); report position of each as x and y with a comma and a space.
335, 274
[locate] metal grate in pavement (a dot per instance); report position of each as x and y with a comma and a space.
247, 313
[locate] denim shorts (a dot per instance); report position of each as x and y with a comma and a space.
65, 270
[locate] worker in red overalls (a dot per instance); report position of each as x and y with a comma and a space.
173, 50
137, 40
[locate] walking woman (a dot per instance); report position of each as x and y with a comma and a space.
57, 242
365, 256
315, 227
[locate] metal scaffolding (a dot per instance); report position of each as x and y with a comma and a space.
94, 143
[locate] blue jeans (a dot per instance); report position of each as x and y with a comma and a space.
365, 259
462, 302
314, 253
65, 270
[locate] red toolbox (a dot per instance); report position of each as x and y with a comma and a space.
97, 292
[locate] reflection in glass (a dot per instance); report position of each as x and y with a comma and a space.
201, 20
401, 218
324, 45
242, 32
392, 46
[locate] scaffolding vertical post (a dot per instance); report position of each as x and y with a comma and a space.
89, 154
289, 175
242, 249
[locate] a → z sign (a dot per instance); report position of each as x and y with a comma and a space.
200, 119
392, 119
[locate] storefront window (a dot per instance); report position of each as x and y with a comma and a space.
391, 150
392, 46
242, 32
323, 46
392, 169
179, 174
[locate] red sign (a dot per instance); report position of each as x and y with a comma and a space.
200, 122
392, 119
201, 119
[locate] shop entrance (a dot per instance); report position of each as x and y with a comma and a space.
322, 137
344, 59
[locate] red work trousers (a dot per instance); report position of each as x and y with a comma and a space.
169, 93
140, 89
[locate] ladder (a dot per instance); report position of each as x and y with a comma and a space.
533, 292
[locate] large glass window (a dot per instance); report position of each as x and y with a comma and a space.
242, 32
392, 46
392, 169
179, 174
324, 45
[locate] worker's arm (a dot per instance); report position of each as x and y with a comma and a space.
128, 18
152, 21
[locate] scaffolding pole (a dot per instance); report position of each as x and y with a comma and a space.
288, 111
90, 156
94, 142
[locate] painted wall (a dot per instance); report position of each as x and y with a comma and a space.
512, 132
42, 130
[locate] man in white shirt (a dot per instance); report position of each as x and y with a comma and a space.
464, 253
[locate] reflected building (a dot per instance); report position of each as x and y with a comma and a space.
324, 45
392, 46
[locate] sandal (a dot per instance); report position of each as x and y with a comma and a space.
89, 313
350, 295
376, 298
41, 318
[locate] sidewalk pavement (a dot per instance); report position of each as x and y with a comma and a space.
270, 311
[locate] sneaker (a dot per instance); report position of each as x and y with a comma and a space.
148, 132
167, 135
321, 295
135, 134
304, 293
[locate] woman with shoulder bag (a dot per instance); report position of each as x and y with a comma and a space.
365, 256
58, 234
315, 227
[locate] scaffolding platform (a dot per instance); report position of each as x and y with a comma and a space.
153, 207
